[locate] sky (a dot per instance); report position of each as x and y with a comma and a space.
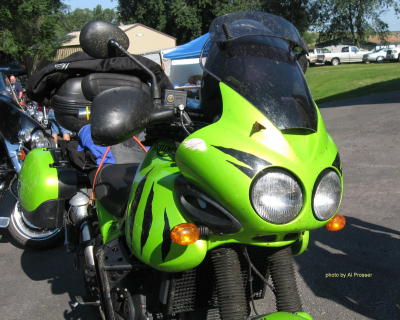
388, 17
106, 4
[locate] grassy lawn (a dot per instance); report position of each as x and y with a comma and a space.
329, 83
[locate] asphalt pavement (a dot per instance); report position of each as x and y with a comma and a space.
345, 275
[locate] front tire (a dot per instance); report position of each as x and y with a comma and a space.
29, 236
380, 59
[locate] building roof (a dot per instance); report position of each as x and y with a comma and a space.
73, 37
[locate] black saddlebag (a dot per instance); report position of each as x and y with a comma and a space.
67, 103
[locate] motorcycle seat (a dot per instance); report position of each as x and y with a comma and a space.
95, 83
113, 185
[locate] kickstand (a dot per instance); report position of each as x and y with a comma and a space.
80, 302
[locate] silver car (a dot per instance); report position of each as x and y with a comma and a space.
393, 55
378, 55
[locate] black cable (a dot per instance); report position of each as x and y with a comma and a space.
258, 273
182, 122
251, 291
11, 189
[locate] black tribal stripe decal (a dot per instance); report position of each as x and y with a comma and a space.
337, 163
254, 162
147, 219
135, 202
248, 172
166, 245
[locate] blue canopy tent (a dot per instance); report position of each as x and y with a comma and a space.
188, 50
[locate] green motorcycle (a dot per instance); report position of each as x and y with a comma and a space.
226, 195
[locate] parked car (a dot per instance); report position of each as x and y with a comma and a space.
347, 54
378, 55
392, 55
317, 55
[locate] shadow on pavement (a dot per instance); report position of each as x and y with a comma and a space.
363, 96
357, 267
56, 266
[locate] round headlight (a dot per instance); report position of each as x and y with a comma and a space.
276, 196
327, 195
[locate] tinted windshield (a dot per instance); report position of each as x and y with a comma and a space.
264, 70
245, 23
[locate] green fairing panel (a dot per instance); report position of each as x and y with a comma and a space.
301, 243
285, 316
223, 158
38, 182
149, 221
109, 225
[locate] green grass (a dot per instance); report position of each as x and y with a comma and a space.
329, 83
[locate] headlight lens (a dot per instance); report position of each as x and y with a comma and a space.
277, 196
39, 140
327, 195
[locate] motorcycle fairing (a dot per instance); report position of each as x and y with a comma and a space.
152, 213
223, 158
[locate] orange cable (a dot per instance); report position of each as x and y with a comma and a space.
97, 172
140, 144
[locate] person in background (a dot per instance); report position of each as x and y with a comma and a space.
57, 129
16, 87
193, 99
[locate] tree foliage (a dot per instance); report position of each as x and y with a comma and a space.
29, 30
352, 20
76, 19
187, 19
296, 11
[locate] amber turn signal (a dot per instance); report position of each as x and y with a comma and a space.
185, 234
21, 155
336, 223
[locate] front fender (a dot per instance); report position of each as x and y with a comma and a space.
284, 316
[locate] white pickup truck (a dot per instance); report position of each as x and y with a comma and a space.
317, 55
347, 54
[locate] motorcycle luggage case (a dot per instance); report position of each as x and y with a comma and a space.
67, 102
44, 187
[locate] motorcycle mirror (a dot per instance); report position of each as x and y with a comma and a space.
119, 113
96, 36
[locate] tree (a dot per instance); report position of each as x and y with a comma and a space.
297, 12
186, 19
75, 20
352, 20
182, 19
29, 30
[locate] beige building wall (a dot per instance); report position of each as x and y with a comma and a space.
143, 39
